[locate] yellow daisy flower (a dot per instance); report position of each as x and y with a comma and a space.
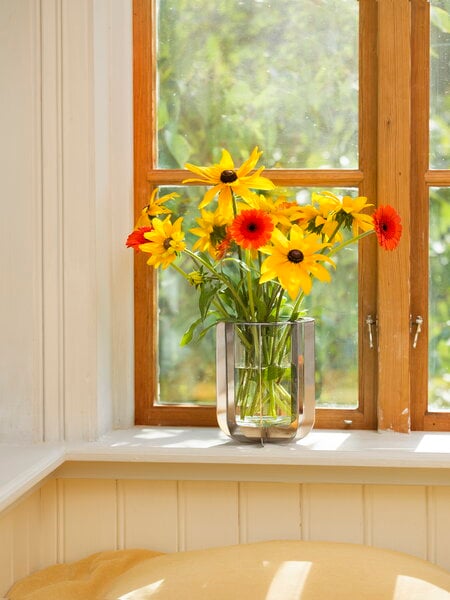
154, 208
295, 260
164, 242
319, 216
353, 207
211, 231
280, 210
225, 179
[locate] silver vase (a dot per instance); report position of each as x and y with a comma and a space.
265, 380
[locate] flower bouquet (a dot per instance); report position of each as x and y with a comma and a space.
255, 257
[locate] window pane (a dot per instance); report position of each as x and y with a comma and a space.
280, 75
439, 301
187, 374
440, 85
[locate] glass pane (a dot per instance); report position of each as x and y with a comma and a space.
440, 85
187, 374
439, 301
280, 75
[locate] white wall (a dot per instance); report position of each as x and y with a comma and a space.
69, 518
66, 207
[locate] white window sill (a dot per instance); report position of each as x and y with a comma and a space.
329, 455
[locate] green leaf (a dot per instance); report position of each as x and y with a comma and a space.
207, 294
189, 334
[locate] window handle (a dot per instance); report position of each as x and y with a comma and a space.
370, 322
418, 321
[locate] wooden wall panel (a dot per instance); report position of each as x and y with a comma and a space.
26, 524
269, 511
397, 518
333, 512
21, 389
67, 519
47, 528
148, 514
6, 552
439, 535
88, 517
208, 514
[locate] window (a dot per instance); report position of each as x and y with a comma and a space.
329, 102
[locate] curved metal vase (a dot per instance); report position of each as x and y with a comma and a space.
265, 380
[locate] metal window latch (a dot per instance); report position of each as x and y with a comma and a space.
418, 322
370, 322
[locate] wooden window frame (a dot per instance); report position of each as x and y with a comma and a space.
391, 157
422, 179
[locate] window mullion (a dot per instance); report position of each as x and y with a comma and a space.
420, 203
394, 142
367, 281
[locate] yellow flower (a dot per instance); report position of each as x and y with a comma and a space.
211, 231
196, 279
225, 179
154, 208
319, 216
353, 207
280, 210
295, 260
164, 242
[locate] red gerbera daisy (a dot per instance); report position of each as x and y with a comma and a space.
387, 227
136, 237
251, 229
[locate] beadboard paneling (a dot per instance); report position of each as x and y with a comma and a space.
269, 511
147, 515
397, 518
21, 389
87, 517
66, 308
67, 519
208, 514
321, 503
7, 552
439, 526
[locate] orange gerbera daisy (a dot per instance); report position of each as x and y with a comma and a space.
136, 238
388, 227
251, 229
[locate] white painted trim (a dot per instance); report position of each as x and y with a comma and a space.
206, 454
53, 257
320, 447
24, 466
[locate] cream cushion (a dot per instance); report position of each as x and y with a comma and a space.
284, 570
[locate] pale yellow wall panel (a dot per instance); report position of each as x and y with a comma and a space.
148, 513
88, 517
48, 525
440, 522
208, 514
397, 518
6, 552
333, 512
269, 511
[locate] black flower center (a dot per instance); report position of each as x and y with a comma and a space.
295, 256
252, 227
384, 226
166, 243
228, 176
